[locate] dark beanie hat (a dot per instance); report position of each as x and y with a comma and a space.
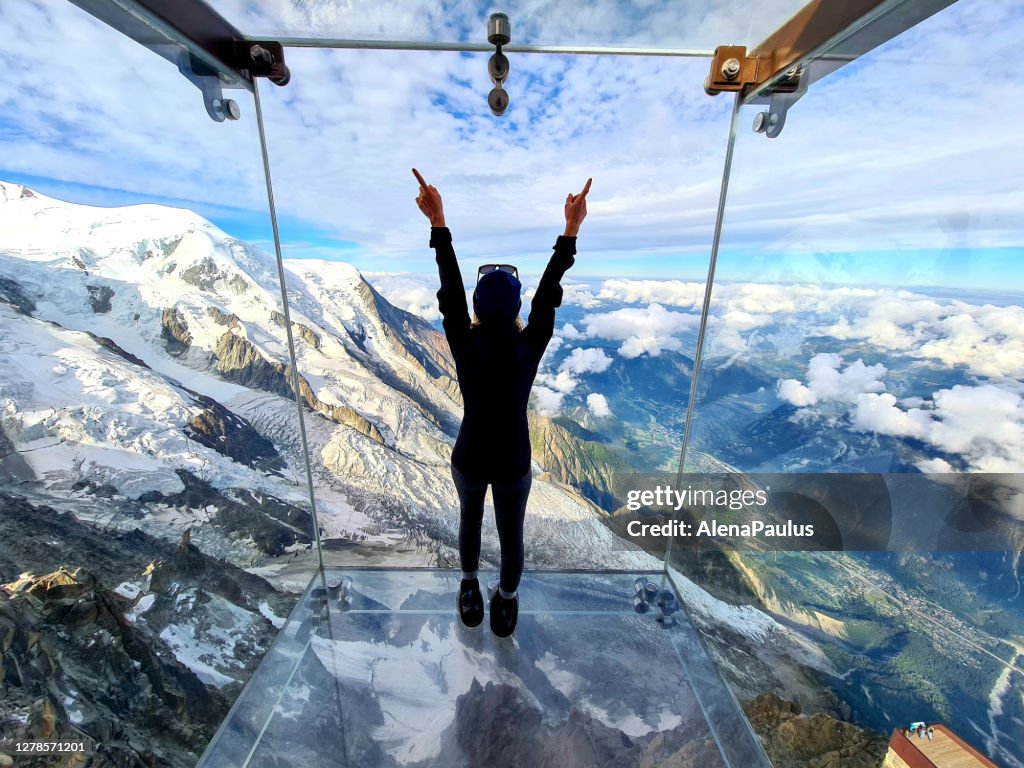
496, 299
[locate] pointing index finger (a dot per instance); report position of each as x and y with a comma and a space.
586, 188
419, 178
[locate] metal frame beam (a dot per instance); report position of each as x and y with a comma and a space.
191, 25
824, 33
425, 45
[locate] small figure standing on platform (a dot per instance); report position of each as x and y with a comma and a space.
496, 359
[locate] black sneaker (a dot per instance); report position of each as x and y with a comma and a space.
470, 602
504, 614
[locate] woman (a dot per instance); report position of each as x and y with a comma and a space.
496, 359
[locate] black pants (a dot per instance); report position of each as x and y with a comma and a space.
509, 511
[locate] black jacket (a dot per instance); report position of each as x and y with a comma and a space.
496, 366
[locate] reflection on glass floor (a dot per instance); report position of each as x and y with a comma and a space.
381, 673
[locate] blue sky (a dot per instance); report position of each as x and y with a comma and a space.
895, 171
902, 170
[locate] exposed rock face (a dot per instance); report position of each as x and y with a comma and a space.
99, 298
308, 335
230, 435
222, 318
240, 361
14, 294
112, 345
431, 356
496, 726
27, 530
793, 740
339, 414
74, 666
272, 524
175, 332
576, 457
65, 639
13, 467
239, 284
203, 275
305, 333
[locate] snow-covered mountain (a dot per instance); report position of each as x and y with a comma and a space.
143, 342
145, 383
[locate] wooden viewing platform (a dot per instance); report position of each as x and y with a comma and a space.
945, 750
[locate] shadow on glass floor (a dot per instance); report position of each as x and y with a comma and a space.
378, 673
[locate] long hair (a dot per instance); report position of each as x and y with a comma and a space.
476, 322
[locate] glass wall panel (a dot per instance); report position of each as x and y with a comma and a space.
344, 136
657, 24
155, 520
863, 366
379, 650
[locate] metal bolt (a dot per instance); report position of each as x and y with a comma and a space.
497, 100
731, 69
261, 56
499, 29
765, 121
223, 109
498, 67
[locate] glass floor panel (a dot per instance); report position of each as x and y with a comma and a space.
381, 673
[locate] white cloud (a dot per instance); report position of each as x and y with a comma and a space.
984, 424
766, 298
935, 465
580, 295
879, 413
672, 292
571, 333
792, 391
635, 346
892, 321
985, 339
548, 402
989, 341
549, 352
982, 414
579, 362
642, 330
744, 321
589, 360
563, 381
825, 382
597, 404
416, 294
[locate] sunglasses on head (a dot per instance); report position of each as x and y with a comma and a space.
486, 269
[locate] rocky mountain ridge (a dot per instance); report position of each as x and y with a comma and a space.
147, 392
